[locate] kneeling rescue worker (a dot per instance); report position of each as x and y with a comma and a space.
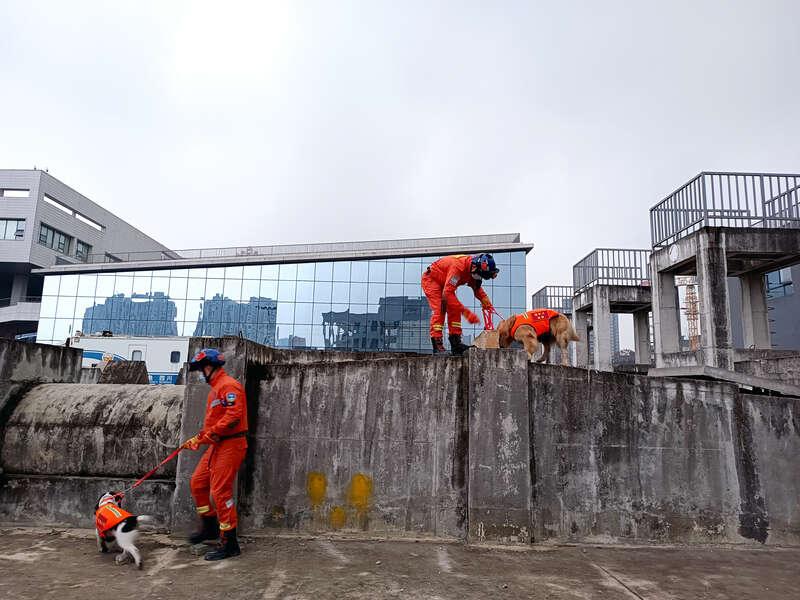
224, 430
439, 282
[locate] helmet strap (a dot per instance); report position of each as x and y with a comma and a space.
210, 375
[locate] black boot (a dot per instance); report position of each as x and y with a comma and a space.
209, 530
228, 546
458, 348
438, 345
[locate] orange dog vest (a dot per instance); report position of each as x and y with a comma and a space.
109, 516
538, 318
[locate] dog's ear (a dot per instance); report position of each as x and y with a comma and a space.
503, 331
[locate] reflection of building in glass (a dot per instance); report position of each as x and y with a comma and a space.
293, 341
142, 314
400, 322
255, 319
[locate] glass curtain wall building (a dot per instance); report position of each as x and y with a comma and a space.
372, 304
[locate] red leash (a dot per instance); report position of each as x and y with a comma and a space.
152, 471
487, 317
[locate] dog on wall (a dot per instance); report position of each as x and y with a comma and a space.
540, 326
117, 527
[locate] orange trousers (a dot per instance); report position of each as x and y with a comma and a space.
434, 293
214, 477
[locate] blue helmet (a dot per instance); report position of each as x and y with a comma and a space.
206, 356
484, 265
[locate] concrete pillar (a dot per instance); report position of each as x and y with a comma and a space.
716, 341
641, 336
755, 321
19, 287
601, 328
580, 321
666, 324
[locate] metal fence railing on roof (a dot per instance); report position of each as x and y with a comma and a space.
612, 266
763, 200
554, 297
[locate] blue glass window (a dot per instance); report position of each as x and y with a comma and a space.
347, 305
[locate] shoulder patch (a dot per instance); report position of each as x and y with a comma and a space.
454, 280
230, 399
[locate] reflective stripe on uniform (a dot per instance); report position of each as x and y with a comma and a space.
224, 526
201, 510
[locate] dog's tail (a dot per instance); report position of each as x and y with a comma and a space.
144, 520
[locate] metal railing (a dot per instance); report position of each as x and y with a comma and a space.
611, 266
5, 302
286, 249
554, 297
763, 200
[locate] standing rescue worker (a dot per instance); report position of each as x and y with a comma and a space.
439, 282
224, 430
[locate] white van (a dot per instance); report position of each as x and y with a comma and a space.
164, 356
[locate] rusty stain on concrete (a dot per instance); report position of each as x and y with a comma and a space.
316, 487
337, 518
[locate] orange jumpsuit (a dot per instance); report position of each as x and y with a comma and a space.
439, 282
538, 318
226, 416
109, 516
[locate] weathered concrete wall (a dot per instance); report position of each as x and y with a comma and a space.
499, 447
69, 501
107, 430
622, 457
768, 447
783, 366
39, 362
129, 371
246, 361
373, 446
65, 444
486, 447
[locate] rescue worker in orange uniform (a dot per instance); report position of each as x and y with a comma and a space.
439, 282
224, 430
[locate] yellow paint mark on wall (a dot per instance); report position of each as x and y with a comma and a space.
316, 486
359, 494
338, 517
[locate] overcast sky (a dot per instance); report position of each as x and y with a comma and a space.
231, 123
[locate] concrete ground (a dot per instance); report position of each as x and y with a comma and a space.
64, 564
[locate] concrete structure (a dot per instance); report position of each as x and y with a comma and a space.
486, 448
44, 222
351, 296
609, 281
721, 225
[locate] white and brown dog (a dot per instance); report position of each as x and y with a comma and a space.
539, 326
113, 525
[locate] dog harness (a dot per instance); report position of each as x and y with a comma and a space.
109, 516
538, 318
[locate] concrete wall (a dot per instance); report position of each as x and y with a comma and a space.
39, 362
784, 366
499, 447
363, 446
66, 444
485, 447
623, 457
